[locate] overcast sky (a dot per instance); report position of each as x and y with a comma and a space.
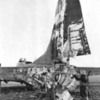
26, 27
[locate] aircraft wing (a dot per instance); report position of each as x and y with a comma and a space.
8, 74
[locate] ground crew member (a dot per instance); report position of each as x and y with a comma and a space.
83, 84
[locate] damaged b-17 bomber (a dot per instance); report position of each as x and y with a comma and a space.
52, 73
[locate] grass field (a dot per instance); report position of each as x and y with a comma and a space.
21, 93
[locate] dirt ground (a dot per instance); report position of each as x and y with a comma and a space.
21, 93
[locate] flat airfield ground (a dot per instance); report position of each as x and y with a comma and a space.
21, 93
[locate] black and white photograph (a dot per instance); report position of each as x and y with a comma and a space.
49, 50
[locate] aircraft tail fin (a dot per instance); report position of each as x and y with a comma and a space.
68, 27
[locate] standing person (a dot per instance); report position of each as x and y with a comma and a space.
83, 85
50, 93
